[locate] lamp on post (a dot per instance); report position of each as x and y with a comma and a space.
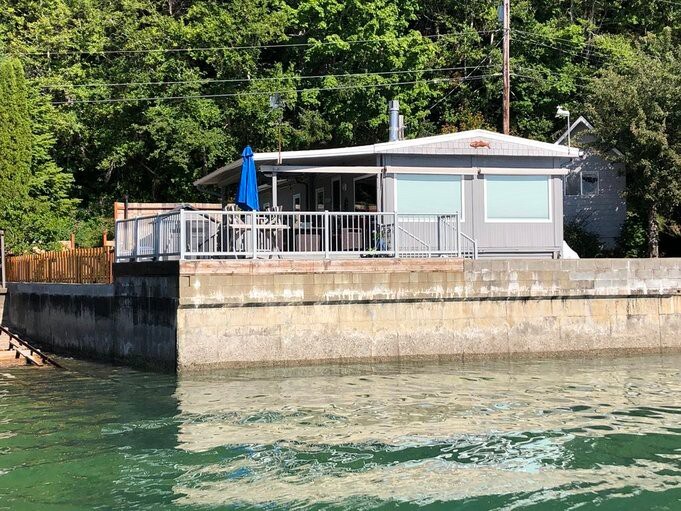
564, 113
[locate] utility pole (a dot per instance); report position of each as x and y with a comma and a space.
507, 66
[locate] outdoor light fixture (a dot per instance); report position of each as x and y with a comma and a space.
564, 113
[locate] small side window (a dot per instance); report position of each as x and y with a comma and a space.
590, 183
573, 184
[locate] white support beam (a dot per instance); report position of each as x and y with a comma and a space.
562, 171
431, 170
308, 169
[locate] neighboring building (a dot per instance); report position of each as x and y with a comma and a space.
594, 190
506, 191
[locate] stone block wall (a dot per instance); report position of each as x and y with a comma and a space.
275, 312
197, 315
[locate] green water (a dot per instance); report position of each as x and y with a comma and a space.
540, 435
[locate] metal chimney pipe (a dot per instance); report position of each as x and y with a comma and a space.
394, 127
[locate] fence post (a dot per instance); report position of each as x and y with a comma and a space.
183, 235
395, 235
458, 235
254, 234
2, 258
327, 234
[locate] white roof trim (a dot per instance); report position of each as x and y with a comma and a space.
558, 171
388, 147
580, 120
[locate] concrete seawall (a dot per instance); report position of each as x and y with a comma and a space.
131, 321
234, 313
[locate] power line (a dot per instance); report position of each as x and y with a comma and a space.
257, 79
574, 52
543, 78
49, 53
479, 66
266, 93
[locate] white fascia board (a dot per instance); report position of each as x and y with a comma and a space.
431, 170
561, 171
214, 177
320, 169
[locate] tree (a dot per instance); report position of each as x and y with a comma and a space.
636, 108
15, 150
35, 208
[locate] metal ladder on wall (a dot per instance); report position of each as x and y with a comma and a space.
13, 348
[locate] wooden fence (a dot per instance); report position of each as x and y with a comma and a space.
79, 266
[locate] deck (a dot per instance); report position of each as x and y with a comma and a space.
195, 235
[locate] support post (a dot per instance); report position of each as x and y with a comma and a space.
254, 234
458, 234
507, 67
327, 234
157, 237
275, 198
183, 235
137, 239
396, 231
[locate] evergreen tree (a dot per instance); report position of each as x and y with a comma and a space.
15, 151
35, 205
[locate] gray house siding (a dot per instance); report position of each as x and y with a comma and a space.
603, 213
495, 239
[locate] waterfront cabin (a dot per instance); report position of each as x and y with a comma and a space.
502, 193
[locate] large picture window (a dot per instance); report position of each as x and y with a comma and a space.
429, 194
517, 198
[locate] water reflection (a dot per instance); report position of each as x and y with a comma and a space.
533, 434
521, 432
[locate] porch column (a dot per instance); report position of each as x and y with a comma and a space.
274, 190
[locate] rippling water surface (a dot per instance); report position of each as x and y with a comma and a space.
540, 435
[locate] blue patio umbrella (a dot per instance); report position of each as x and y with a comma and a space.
247, 198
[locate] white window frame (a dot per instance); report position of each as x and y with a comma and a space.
581, 184
519, 220
462, 214
317, 191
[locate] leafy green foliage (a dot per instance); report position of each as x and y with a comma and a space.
35, 208
582, 241
636, 108
316, 53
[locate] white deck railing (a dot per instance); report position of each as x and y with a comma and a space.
290, 234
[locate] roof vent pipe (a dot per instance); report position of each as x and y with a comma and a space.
394, 128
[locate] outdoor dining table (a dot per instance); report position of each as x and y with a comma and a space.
242, 238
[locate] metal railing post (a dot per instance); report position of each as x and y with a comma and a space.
116, 239
2, 258
254, 234
183, 236
458, 235
157, 237
136, 232
327, 234
396, 230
